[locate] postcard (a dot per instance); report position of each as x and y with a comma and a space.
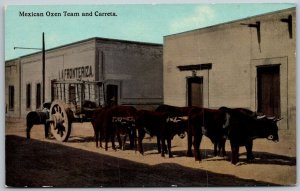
150, 95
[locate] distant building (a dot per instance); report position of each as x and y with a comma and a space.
132, 72
248, 63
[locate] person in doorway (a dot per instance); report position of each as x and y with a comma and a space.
112, 101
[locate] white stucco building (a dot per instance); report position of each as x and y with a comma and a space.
248, 63
132, 72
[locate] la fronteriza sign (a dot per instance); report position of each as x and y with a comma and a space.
76, 73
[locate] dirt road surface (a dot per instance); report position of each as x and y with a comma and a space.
78, 163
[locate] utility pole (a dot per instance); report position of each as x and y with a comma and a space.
43, 67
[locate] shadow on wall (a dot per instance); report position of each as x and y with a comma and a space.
35, 163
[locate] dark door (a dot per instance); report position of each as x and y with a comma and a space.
195, 91
112, 94
38, 95
268, 90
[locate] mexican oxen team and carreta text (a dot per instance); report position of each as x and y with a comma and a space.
240, 126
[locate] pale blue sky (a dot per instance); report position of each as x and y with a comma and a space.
146, 23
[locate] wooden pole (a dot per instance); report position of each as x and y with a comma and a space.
43, 50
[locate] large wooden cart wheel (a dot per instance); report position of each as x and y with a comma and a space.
61, 120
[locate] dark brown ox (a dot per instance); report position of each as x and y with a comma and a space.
213, 124
244, 127
37, 118
100, 121
181, 111
161, 125
152, 123
201, 121
109, 122
221, 144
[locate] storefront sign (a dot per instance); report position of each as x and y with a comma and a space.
76, 73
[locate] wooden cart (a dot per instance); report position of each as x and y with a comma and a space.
73, 102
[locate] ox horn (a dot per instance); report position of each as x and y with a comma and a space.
278, 119
272, 118
260, 116
183, 118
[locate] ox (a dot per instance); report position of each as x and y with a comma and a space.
124, 126
99, 122
38, 118
123, 118
201, 121
244, 127
161, 125
248, 112
213, 124
173, 125
152, 122
109, 122
181, 111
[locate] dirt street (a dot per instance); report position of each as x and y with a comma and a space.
78, 163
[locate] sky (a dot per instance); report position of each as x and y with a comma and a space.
136, 22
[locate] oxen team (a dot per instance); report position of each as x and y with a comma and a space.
240, 126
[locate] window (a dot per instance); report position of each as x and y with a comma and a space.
38, 95
28, 96
54, 94
11, 98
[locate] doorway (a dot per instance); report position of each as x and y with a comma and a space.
195, 91
112, 94
268, 90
